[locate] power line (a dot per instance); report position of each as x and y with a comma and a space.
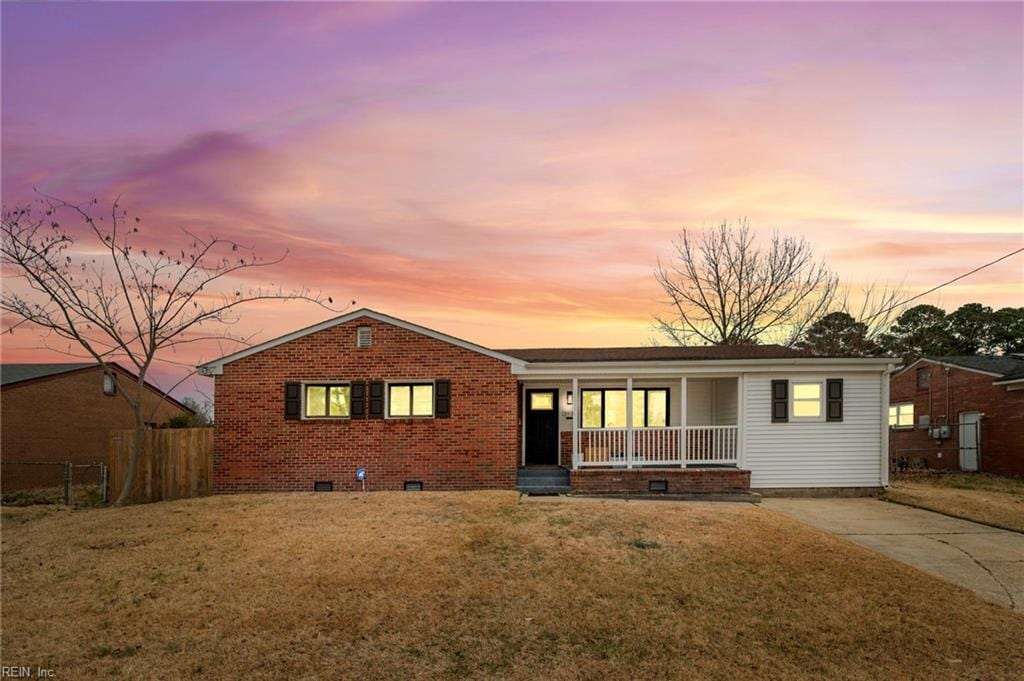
954, 280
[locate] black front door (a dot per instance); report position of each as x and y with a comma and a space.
542, 427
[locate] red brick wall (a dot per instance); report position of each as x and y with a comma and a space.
66, 417
1002, 426
257, 449
565, 449
680, 481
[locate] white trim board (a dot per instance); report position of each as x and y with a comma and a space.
216, 367
674, 368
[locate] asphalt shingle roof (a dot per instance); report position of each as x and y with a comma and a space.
1005, 365
15, 373
693, 353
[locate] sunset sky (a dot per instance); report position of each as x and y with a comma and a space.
511, 173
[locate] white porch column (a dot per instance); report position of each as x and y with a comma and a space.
682, 420
884, 442
629, 422
575, 422
741, 410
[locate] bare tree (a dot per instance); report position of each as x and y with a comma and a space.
119, 301
875, 305
726, 288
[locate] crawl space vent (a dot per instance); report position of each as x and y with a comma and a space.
413, 486
657, 486
323, 486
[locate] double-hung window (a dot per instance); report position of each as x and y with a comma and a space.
901, 415
606, 408
407, 400
327, 401
808, 401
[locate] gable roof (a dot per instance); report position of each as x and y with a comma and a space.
1013, 376
216, 366
992, 365
520, 358
16, 373
655, 353
1005, 368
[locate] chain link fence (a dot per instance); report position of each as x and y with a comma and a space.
26, 483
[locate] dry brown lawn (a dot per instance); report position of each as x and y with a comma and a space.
475, 585
991, 499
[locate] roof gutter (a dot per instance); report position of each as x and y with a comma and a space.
652, 367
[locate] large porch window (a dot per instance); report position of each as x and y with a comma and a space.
606, 408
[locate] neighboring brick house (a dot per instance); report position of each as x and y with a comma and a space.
415, 408
959, 413
64, 412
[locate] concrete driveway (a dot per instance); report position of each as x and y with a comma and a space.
987, 560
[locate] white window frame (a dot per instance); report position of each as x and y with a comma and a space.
640, 394
896, 406
820, 418
109, 385
328, 384
412, 381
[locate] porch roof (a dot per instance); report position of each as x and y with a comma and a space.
656, 353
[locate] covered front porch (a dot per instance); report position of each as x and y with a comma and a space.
650, 422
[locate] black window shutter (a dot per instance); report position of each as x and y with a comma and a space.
442, 399
292, 400
780, 401
834, 399
358, 392
376, 402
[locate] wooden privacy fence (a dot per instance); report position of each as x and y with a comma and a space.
176, 463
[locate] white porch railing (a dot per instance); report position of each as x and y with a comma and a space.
659, 446
712, 444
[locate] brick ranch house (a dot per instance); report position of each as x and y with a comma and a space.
418, 409
959, 413
52, 413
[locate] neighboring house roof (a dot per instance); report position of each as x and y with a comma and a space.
1015, 376
14, 374
1005, 368
993, 365
654, 353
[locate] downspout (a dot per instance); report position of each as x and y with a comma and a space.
948, 397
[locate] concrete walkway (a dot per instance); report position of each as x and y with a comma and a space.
987, 560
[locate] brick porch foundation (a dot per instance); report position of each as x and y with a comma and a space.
680, 481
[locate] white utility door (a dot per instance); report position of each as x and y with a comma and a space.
970, 439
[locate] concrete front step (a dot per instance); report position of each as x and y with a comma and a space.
543, 479
548, 471
545, 490
547, 480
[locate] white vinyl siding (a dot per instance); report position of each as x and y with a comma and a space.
815, 453
711, 401
726, 401
700, 410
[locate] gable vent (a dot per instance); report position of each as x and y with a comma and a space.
364, 336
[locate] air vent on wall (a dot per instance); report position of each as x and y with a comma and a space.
323, 486
657, 486
364, 336
413, 486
